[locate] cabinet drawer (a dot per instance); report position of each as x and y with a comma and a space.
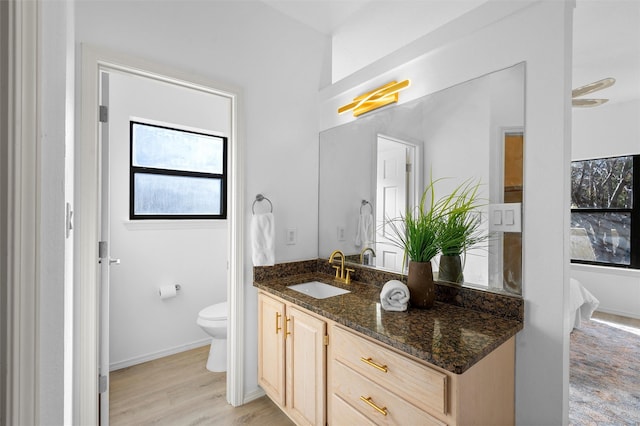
424, 387
375, 402
346, 415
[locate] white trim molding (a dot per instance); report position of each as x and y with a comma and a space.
253, 395
87, 189
20, 340
113, 366
235, 285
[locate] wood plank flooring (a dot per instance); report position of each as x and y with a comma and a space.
178, 390
617, 319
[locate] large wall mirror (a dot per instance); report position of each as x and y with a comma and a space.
377, 166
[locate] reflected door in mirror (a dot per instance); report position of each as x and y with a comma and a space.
394, 174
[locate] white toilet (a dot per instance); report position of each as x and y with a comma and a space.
213, 320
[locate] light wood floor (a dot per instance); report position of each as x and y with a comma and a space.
630, 322
178, 390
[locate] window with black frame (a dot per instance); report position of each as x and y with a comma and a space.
605, 211
176, 174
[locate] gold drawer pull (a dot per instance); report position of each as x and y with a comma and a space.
372, 404
373, 364
278, 315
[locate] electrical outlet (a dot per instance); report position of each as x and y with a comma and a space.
341, 233
292, 236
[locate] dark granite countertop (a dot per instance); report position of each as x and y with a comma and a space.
448, 336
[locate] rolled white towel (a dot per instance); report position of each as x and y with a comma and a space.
394, 296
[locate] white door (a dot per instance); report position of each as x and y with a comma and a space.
392, 197
104, 252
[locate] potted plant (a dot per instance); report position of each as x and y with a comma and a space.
460, 229
417, 235
448, 226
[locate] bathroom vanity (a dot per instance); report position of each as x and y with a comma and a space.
344, 360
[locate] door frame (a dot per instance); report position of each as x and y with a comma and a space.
497, 187
414, 181
88, 179
20, 213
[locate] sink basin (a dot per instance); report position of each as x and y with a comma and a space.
318, 290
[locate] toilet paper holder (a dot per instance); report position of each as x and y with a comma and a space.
169, 291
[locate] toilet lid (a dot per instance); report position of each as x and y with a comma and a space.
214, 312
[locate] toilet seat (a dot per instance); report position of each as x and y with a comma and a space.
214, 312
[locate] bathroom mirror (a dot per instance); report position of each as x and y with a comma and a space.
377, 165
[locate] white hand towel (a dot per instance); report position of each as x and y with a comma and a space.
394, 296
364, 231
263, 239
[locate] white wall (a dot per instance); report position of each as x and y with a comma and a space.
606, 131
459, 125
279, 63
379, 28
347, 160
156, 253
56, 93
494, 36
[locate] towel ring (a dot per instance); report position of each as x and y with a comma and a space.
260, 198
364, 203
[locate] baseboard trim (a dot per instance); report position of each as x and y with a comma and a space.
160, 354
253, 395
617, 312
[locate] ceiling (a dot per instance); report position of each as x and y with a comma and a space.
606, 43
322, 15
606, 37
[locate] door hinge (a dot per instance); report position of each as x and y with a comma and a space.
69, 221
102, 249
408, 168
103, 382
104, 114
326, 340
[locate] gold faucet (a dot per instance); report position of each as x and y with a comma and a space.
364, 250
342, 273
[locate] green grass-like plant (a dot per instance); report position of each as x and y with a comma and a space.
418, 231
448, 225
460, 228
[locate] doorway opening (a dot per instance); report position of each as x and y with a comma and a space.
158, 252
90, 153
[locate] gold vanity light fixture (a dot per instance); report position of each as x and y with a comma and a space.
383, 95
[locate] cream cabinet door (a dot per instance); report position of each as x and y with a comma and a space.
306, 368
271, 348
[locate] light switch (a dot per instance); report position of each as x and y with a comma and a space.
497, 217
505, 217
509, 217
